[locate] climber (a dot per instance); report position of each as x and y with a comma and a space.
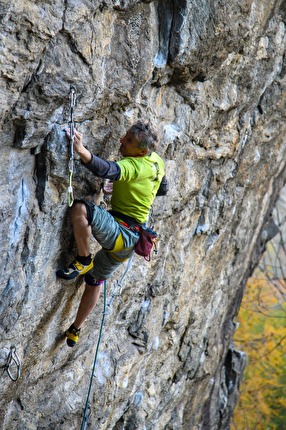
137, 178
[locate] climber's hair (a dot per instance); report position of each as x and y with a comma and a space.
146, 136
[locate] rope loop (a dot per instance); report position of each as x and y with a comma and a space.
117, 289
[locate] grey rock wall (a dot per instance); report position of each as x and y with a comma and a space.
211, 76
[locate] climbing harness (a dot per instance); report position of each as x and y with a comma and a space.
13, 359
71, 152
106, 311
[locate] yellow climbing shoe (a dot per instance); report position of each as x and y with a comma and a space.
74, 269
72, 335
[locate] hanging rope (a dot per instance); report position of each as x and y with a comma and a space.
13, 359
115, 293
86, 413
71, 159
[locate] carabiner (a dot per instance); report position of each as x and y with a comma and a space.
13, 358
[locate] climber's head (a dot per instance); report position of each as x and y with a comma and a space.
139, 140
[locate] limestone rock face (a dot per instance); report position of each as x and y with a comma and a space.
211, 76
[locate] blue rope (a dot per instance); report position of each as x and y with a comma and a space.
86, 415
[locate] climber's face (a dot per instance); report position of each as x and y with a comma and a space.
129, 146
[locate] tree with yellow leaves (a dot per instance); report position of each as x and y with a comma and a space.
262, 335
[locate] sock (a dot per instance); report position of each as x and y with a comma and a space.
74, 327
84, 260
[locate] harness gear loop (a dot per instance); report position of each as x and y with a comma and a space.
13, 359
71, 152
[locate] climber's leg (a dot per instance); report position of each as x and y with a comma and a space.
81, 228
82, 232
88, 301
117, 241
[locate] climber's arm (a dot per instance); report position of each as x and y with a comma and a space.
83, 152
103, 169
98, 166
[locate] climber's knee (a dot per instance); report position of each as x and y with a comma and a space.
82, 209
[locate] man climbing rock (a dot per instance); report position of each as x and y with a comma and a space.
137, 178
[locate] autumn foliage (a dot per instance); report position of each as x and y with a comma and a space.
262, 335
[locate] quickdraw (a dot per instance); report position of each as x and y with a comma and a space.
71, 152
13, 359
